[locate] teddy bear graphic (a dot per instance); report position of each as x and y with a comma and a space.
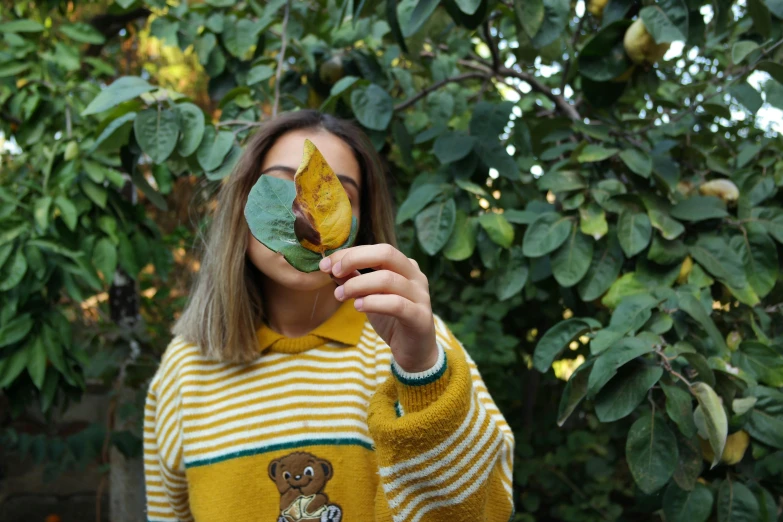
300, 478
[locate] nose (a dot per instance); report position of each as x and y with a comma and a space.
298, 477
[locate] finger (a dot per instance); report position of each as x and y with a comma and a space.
342, 280
396, 306
379, 257
379, 282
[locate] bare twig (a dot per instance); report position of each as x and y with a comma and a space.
493, 49
244, 123
435, 86
577, 32
281, 58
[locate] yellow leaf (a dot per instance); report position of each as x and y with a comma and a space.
322, 208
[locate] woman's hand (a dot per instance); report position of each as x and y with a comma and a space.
395, 297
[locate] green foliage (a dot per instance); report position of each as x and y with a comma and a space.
556, 194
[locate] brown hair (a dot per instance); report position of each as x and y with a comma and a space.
225, 307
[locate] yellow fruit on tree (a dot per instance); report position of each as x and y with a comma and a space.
725, 189
733, 340
640, 45
685, 270
596, 7
736, 444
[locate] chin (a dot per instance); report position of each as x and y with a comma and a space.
273, 266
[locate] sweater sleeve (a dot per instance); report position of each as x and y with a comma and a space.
444, 450
164, 472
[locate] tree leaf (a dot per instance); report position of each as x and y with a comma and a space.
766, 417
191, 123
592, 221
434, 226
321, 206
736, 503
717, 257
572, 260
604, 268
36, 361
607, 364
104, 258
373, 107
530, 15
259, 73
651, 452
122, 89
82, 32
512, 276
420, 14
546, 234
15, 329
557, 338
112, 127
759, 257
452, 146
637, 161
773, 68
669, 228
468, 6
574, 392
242, 38
462, 242
67, 211
679, 408
213, 148
699, 208
687, 506
603, 57
157, 132
555, 20
593, 153
227, 167
694, 308
667, 21
21, 26
271, 221
689, 463
634, 231
714, 418
418, 198
11, 367
762, 21
621, 395
394, 23
740, 50
498, 228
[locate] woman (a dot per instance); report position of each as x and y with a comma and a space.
329, 396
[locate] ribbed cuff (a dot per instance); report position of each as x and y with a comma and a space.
418, 390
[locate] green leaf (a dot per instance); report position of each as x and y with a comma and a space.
694, 308
627, 285
775, 7
67, 212
113, 127
462, 242
637, 161
760, 361
152, 195
512, 275
12, 69
122, 89
715, 419
689, 463
669, 228
191, 124
452, 146
687, 506
157, 132
468, 6
418, 198
759, 257
667, 21
651, 452
603, 57
773, 68
700, 208
373, 107
489, 121
225, 168
498, 228
574, 392
21, 26
620, 397
11, 367
394, 24
36, 361
766, 417
607, 364
420, 14
546, 234
736, 503
592, 153
82, 32
561, 181
434, 226
13, 271
260, 73
603, 271
634, 231
556, 14
719, 259
471, 187
740, 50
572, 260
242, 38
271, 221
771, 220
41, 211
762, 21
679, 408
104, 258
592, 221
530, 15
746, 96
214, 148
15, 330
557, 338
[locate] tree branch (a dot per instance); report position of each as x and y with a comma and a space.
493, 49
435, 86
567, 67
281, 58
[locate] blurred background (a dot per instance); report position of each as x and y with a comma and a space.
591, 187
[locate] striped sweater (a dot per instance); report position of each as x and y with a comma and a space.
325, 428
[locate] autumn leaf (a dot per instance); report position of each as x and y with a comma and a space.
322, 208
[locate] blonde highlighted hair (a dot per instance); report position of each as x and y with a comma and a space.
225, 308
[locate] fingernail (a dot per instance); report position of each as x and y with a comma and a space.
358, 303
339, 293
338, 268
325, 264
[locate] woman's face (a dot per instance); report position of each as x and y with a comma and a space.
281, 161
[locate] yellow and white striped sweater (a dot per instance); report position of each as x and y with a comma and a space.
325, 428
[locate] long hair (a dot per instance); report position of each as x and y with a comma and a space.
225, 307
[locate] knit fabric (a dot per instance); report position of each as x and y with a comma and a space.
325, 428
